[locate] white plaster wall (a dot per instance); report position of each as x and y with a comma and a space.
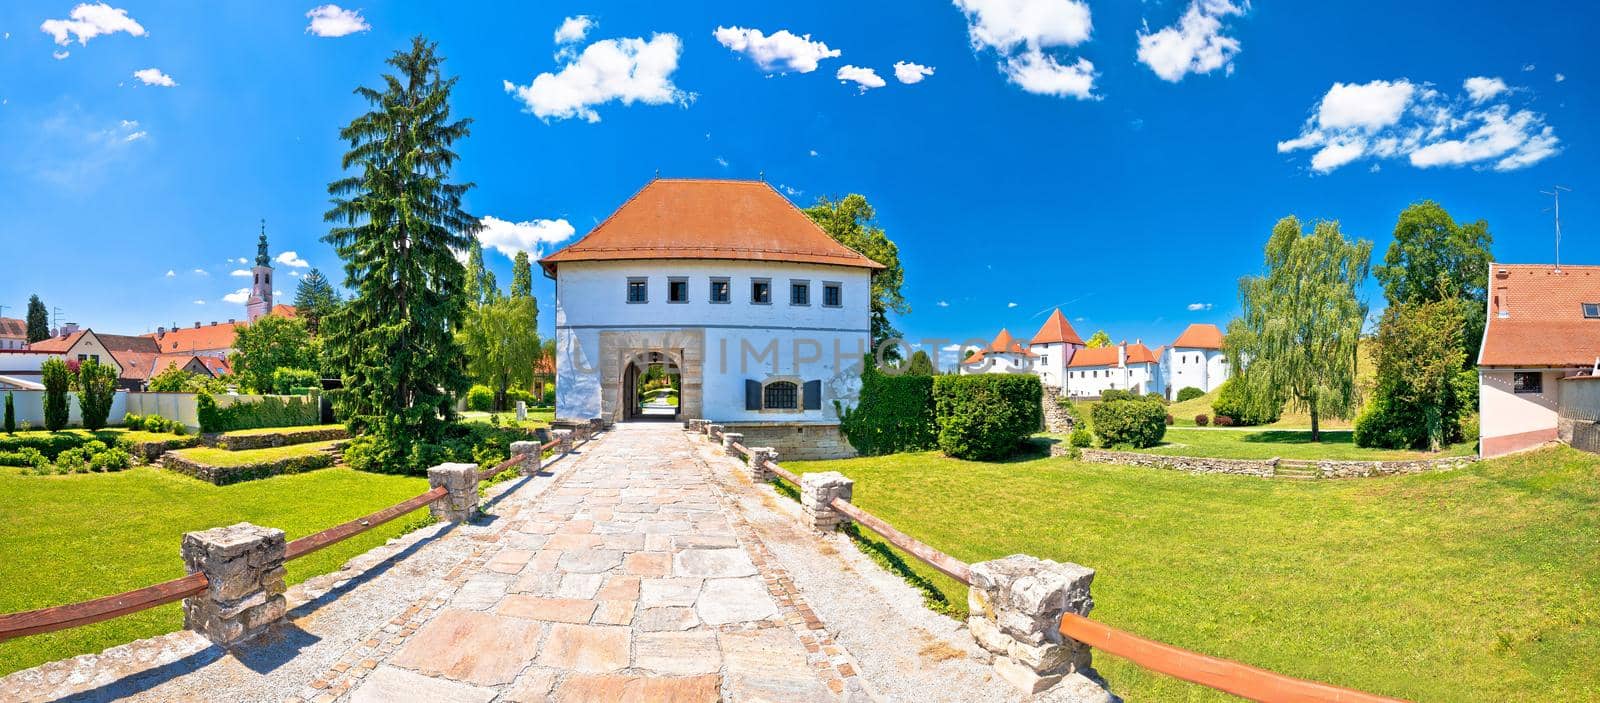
29, 407
1504, 412
1205, 369
813, 342
1001, 363
1053, 370
1142, 377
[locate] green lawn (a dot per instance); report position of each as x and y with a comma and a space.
1474, 585
277, 430
537, 417
70, 538
1286, 444
216, 456
109, 435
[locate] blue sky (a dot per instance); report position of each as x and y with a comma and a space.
1124, 160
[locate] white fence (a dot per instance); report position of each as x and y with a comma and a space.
183, 407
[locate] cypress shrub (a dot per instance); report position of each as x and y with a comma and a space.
56, 378
97, 388
988, 416
895, 414
11, 415
1132, 423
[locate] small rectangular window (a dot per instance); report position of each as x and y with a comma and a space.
1591, 310
719, 290
677, 290
1044, 361
1527, 382
761, 291
638, 290
831, 295
799, 292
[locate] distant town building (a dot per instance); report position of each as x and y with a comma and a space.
1004, 355
260, 301
13, 333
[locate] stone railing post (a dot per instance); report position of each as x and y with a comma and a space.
1015, 606
759, 456
817, 491
596, 424
728, 440
244, 565
563, 440
530, 450
462, 482
715, 431
696, 425
522, 410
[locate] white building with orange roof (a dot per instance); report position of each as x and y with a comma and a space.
1004, 355
763, 317
1053, 347
1195, 359
1092, 371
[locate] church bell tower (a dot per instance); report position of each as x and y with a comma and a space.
261, 280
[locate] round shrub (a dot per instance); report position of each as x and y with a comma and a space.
1223, 421
1170, 419
1189, 393
1201, 420
1133, 423
987, 416
1080, 437
480, 398
893, 414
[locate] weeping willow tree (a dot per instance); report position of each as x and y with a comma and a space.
398, 223
1298, 336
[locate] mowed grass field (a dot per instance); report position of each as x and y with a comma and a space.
1252, 443
65, 539
1481, 584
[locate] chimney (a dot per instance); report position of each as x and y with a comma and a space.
1122, 353
1502, 274
161, 332
197, 324
230, 320
68, 328
213, 323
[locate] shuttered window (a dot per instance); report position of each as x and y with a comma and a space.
780, 395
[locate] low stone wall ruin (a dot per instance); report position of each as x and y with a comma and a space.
234, 443
1267, 468
224, 475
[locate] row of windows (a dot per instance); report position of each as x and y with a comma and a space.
721, 291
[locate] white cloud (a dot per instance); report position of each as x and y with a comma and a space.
721, 161
199, 302
59, 55
1196, 307
238, 297
1011, 305
295, 274
154, 76
780, 52
1194, 45
1561, 77
87, 21
573, 29
509, 237
864, 78
171, 273
1401, 119
908, 72
1023, 32
201, 272
943, 303
790, 190
334, 21
627, 70
813, 152
1481, 89
242, 260
289, 258
1527, 67
240, 273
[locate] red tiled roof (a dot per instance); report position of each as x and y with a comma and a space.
708, 219
59, 343
1536, 316
217, 367
1107, 356
1003, 343
12, 328
193, 339
1056, 330
136, 366
282, 311
1200, 336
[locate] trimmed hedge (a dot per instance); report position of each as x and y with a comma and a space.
56, 377
895, 414
267, 412
1133, 423
285, 381
988, 416
480, 398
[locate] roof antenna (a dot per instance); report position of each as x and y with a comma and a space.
762, 175
658, 174
1556, 193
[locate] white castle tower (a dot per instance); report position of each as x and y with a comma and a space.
261, 286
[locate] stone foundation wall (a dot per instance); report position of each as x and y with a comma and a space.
150, 452
1056, 418
235, 443
795, 441
1267, 468
223, 475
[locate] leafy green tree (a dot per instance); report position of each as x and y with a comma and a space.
481, 286
1298, 335
400, 222
97, 388
850, 221
268, 344
502, 344
1419, 357
314, 299
56, 377
1433, 258
521, 276
921, 364
38, 320
1098, 339
173, 379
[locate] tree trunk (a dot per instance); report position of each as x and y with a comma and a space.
1316, 433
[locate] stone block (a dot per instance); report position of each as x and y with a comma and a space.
759, 456
714, 431
563, 440
1016, 606
522, 410
244, 565
817, 492
596, 425
461, 480
531, 464
728, 440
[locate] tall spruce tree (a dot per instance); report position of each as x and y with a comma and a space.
521, 276
38, 320
314, 299
398, 223
1298, 335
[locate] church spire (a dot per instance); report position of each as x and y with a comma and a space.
261, 247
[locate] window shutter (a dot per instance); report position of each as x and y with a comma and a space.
752, 395
812, 395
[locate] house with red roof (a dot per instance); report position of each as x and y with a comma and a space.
1127, 367
1542, 336
13, 333
1195, 360
1053, 347
1003, 355
762, 315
